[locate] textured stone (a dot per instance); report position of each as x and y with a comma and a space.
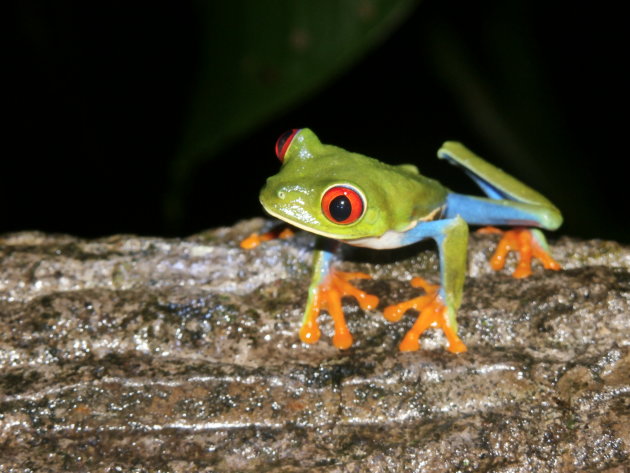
129, 354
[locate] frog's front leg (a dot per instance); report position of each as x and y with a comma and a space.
438, 307
255, 239
328, 286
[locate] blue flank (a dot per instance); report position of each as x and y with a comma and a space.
482, 211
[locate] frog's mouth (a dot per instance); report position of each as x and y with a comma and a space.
308, 228
389, 240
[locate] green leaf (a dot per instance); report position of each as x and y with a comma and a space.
260, 57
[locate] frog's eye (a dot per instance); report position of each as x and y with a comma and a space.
283, 143
342, 204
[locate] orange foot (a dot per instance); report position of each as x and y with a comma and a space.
255, 239
433, 313
328, 297
522, 241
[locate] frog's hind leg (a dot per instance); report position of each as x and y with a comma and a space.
509, 202
497, 184
530, 243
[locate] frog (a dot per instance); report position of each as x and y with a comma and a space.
348, 198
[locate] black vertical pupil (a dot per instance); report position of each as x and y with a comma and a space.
340, 208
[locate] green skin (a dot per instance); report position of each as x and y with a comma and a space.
399, 203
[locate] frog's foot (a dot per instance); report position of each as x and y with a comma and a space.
433, 313
522, 241
328, 297
255, 239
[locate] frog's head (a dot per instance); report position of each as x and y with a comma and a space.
325, 189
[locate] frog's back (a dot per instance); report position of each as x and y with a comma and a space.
407, 195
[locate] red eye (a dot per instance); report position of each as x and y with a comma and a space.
283, 143
342, 204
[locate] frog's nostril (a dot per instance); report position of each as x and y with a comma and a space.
281, 195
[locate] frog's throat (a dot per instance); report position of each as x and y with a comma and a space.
388, 240
394, 238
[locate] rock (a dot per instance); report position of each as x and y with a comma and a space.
130, 354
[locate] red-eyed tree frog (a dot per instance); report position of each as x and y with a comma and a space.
357, 200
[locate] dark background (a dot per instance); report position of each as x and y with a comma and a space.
97, 98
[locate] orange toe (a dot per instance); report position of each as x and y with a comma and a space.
523, 242
255, 239
329, 294
433, 313
310, 333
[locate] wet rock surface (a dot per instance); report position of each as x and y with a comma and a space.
129, 354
